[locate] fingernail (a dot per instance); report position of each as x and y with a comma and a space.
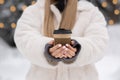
59, 45
64, 47
67, 44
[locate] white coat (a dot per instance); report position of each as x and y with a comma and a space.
89, 30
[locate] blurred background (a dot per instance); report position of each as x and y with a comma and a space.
13, 66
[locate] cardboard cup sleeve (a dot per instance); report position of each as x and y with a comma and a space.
62, 36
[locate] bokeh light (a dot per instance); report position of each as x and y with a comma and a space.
104, 4
12, 8
111, 22
2, 1
13, 25
115, 2
1, 25
116, 12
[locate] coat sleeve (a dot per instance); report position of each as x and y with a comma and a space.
28, 38
94, 42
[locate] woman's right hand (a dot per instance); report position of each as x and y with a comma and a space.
56, 51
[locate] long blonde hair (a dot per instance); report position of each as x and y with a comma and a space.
68, 17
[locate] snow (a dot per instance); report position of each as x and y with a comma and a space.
13, 66
109, 66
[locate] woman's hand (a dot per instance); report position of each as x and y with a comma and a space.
69, 52
56, 51
59, 51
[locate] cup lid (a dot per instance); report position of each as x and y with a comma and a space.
62, 31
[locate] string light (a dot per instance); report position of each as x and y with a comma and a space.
116, 12
13, 25
1, 25
2, 1
12, 8
111, 22
115, 2
104, 4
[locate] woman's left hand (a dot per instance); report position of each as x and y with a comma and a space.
69, 52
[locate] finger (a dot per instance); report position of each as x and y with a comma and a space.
60, 53
68, 53
71, 53
71, 48
57, 53
58, 56
61, 56
55, 48
51, 42
64, 56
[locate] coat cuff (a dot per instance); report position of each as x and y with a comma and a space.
71, 60
51, 60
